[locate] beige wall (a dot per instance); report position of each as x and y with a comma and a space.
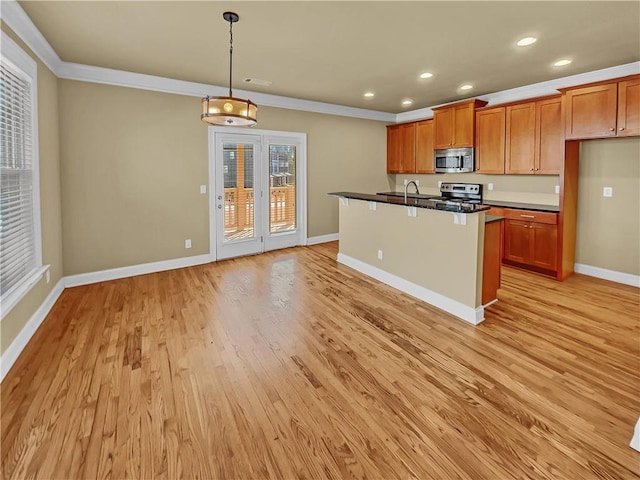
133, 161
13, 323
539, 189
608, 233
132, 164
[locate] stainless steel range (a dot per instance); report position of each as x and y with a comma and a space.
458, 196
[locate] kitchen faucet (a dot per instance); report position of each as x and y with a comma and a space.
406, 188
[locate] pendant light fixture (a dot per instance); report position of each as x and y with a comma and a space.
229, 111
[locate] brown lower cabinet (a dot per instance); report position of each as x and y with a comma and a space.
529, 239
531, 244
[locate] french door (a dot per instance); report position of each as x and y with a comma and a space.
258, 192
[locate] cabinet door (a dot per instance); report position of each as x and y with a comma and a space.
520, 138
590, 112
544, 246
407, 160
443, 128
517, 242
401, 155
463, 125
393, 148
629, 108
424, 147
549, 137
490, 131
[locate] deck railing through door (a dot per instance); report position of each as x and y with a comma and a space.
238, 208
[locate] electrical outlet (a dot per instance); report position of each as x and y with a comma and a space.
406, 180
557, 188
490, 186
417, 182
379, 254
203, 189
439, 183
48, 275
187, 243
607, 192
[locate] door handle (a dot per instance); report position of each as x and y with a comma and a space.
219, 197
219, 207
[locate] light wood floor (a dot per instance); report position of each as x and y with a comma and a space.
287, 365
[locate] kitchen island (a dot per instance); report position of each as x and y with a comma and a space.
433, 253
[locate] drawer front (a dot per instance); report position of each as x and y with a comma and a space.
531, 216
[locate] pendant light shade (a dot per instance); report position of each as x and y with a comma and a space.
229, 111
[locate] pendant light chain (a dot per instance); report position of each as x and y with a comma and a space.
230, 57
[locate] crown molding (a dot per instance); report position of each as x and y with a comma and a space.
108, 76
16, 18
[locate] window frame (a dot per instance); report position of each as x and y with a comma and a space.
20, 60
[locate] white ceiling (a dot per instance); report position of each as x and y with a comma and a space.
335, 51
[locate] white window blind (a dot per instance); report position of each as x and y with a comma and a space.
18, 249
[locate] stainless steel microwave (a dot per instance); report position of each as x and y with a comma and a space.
454, 160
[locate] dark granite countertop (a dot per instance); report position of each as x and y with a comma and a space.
492, 218
522, 206
412, 201
492, 203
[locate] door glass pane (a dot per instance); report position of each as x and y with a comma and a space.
282, 188
237, 168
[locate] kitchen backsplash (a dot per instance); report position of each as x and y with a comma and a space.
538, 189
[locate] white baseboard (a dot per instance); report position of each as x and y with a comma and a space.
464, 312
133, 270
331, 237
14, 350
635, 441
619, 277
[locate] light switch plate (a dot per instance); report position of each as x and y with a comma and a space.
187, 243
607, 192
373, 206
557, 189
379, 254
203, 189
490, 186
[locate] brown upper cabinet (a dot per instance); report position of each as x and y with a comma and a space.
604, 109
401, 148
424, 147
490, 138
549, 155
454, 125
534, 140
520, 138
629, 107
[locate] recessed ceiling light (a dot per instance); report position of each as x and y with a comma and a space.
523, 42
562, 63
406, 102
466, 86
426, 75
369, 94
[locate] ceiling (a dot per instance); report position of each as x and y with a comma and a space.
336, 51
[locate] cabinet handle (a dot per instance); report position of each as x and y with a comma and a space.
621, 128
532, 169
611, 129
528, 216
